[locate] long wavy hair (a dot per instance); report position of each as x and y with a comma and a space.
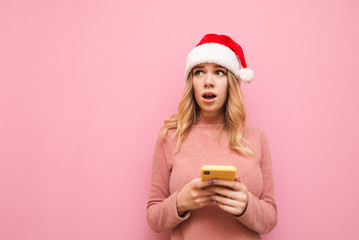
188, 111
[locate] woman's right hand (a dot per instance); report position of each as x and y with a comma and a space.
193, 196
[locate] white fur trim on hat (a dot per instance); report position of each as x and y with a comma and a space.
246, 75
213, 53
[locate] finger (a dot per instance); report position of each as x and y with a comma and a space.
236, 195
228, 183
233, 206
204, 192
237, 179
204, 184
198, 184
222, 191
225, 200
201, 184
230, 209
206, 200
203, 201
228, 193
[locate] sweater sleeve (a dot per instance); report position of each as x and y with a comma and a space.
261, 213
162, 206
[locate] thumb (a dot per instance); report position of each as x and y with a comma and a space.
237, 179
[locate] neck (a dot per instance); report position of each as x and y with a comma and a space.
216, 119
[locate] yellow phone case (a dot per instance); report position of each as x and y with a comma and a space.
218, 172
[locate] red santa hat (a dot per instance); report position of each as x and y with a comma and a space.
222, 50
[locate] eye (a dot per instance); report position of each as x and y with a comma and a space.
220, 72
198, 72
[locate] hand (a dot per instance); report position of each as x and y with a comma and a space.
231, 196
193, 196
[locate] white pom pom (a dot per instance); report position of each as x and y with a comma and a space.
246, 75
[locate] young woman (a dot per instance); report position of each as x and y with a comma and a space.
209, 129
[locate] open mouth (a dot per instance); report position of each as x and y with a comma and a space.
209, 96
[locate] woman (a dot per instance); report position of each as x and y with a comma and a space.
209, 129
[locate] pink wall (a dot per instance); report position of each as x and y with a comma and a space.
85, 85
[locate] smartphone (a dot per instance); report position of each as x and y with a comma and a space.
218, 172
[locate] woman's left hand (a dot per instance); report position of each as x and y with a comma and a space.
231, 196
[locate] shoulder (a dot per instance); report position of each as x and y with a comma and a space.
255, 136
168, 140
257, 140
171, 135
250, 131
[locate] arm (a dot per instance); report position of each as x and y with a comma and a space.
162, 207
261, 212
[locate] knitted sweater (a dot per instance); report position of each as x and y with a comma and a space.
171, 171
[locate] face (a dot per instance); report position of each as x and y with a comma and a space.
210, 85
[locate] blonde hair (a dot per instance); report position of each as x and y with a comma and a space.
188, 111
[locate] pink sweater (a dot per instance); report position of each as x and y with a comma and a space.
171, 171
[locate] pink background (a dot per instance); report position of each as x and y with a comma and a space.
85, 86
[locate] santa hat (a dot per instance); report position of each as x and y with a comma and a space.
222, 50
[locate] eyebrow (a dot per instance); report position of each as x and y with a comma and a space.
219, 66
215, 66
197, 67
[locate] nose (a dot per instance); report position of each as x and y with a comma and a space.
208, 81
